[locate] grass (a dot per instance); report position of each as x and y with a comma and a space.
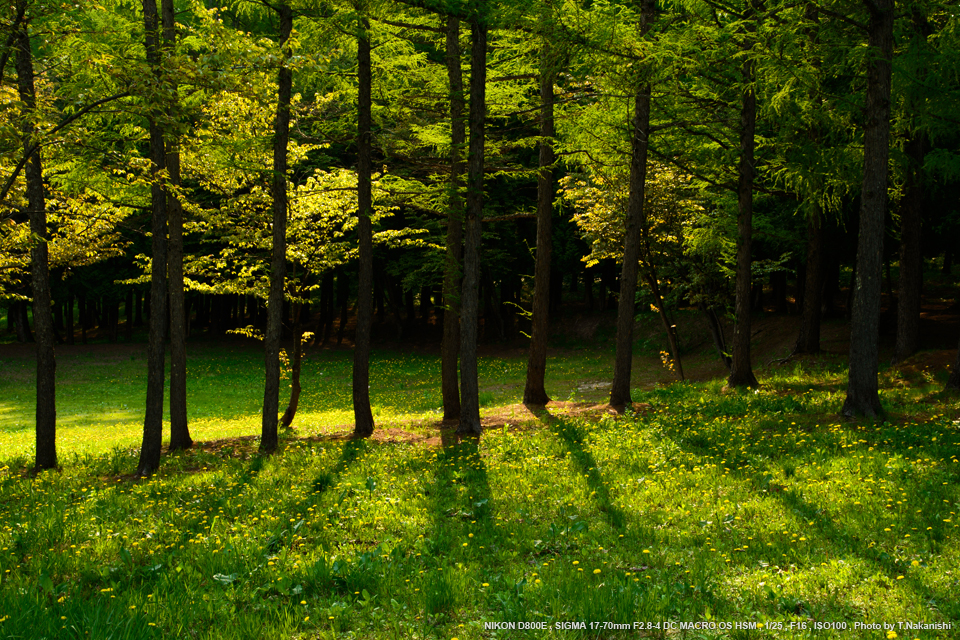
705, 506
101, 391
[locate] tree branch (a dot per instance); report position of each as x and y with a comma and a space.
33, 149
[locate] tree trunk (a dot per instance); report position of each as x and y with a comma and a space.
128, 311
716, 331
153, 420
535, 393
669, 327
179, 429
808, 340
470, 295
296, 364
741, 372
862, 388
21, 323
910, 285
70, 318
46, 409
450, 343
363, 416
82, 311
626, 307
343, 297
278, 264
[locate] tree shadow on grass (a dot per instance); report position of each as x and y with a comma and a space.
572, 438
844, 540
460, 507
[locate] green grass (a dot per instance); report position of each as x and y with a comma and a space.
101, 391
707, 506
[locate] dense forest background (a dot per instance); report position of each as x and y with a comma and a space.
299, 170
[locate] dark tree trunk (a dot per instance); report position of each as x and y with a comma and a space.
150, 449
111, 313
910, 285
669, 327
128, 311
278, 264
46, 409
21, 323
82, 311
862, 388
716, 331
69, 318
492, 322
296, 364
327, 307
535, 393
588, 288
362, 414
470, 295
808, 340
450, 343
741, 371
626, 308
343, 297
179, 429
425, 305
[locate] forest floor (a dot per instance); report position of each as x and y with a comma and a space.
700, 513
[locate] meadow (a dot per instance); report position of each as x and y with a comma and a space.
746, 514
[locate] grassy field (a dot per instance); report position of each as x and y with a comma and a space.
701, 508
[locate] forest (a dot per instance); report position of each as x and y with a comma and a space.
309, 252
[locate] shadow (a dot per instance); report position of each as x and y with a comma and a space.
349, 454
573, 440
751, 468
460, 528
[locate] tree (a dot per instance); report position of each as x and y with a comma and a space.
153, 420
469, 299
863, 396
626, 308
46, 429
534, 393
741, 372
363, 416
450, 344
278, 264
179, 429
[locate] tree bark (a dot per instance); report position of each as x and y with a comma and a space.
863, 396
808, 340
46, 408
626, 307
741, 372
296, 365
470, 295
179, 429
150, 448
450, 343
362, 414
716, 330
278, 264
70, 338
910, 285
535, 393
